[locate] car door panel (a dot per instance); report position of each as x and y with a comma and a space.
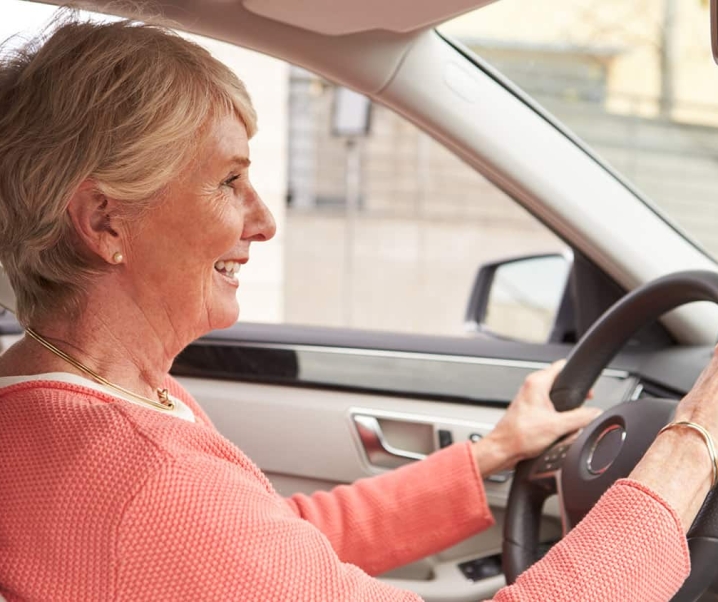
313, 416
305, 440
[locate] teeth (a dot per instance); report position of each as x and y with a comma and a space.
229, 268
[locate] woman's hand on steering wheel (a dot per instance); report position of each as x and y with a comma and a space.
530, 424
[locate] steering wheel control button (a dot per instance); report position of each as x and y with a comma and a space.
546, 466
552, 460
557, 453
605, 449
445, 438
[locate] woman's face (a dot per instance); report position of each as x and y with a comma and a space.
185, 252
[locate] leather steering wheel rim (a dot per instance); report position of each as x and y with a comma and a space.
585, 363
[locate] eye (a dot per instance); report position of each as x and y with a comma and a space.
229, 182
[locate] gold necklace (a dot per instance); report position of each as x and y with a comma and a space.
164, 403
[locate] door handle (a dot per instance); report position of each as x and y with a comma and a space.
378, 451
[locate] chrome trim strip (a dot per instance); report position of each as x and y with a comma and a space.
417, 355
594, 447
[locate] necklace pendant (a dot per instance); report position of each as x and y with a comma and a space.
164, 396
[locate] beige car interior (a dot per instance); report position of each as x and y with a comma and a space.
309, 439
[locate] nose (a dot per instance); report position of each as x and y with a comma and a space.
259, 224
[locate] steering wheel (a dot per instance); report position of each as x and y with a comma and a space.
582, 467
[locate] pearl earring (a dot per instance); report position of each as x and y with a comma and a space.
118, 257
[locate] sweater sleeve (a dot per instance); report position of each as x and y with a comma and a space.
630, 546
200, 529
390, 520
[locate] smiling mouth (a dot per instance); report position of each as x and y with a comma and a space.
228, 269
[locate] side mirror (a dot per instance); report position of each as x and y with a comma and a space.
522, 298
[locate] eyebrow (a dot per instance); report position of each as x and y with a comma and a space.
241, 161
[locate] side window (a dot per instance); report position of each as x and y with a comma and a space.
387, 230
381, 230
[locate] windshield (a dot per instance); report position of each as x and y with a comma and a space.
635, 80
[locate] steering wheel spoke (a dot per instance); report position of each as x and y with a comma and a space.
546, 471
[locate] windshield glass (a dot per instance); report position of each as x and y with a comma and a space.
635, 80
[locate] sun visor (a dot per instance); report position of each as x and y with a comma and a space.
333, 17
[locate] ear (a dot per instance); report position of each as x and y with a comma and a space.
94, 217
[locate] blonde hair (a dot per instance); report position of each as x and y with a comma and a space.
124, 104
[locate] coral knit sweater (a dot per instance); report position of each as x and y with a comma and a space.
102, 499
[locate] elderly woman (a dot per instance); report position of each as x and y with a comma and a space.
126, 211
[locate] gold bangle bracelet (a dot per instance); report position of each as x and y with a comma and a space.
707, 439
